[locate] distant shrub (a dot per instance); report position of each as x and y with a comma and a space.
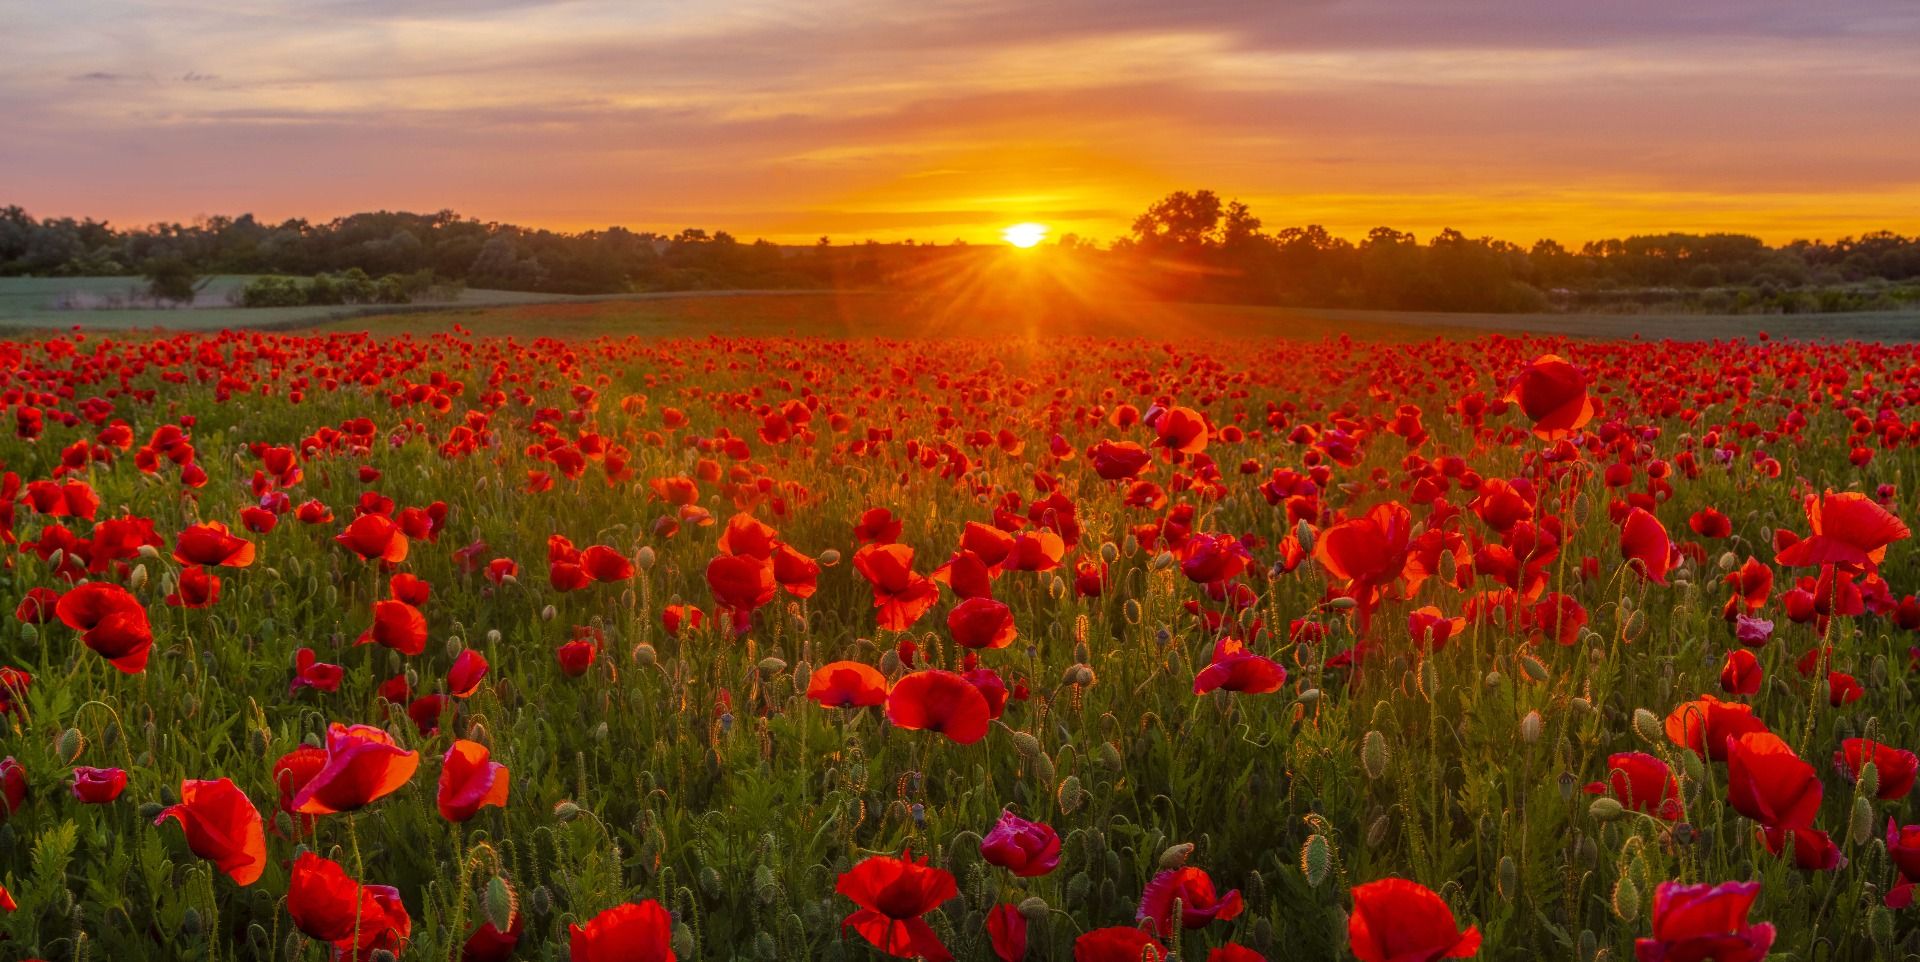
273, 291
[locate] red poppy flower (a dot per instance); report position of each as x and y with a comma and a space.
212, 544
981, 623
876, 526
426, 712
326, 903
1642, 783
1705, 724
98, 786
468, 670
1234, 953
633, 932
1553, 395
1742, 673
1813, 851
469, 781
742, 583
1199, 904
1645, 545
1768, 783
363, 766
37, 607
797, 574
1119, 943
1894, 767
576, 656
1850, 530
13, 787
1027, 849
1210, 559
901, 594
893, 894
847, 684
489, 944
222, 826
604, 564
1118, 460
1395, 920
374, 536
1181, 430
1235, 669
407, 588
198, 588
291, 773
1369, 552
1007, 933
675, 617
1694, 923
397, 625
13, 684
1708, 523
310, 672
1035, 551
111, 621
940, 701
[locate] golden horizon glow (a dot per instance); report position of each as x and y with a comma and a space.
1024, 235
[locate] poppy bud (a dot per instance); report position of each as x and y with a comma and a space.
1034, 909
1626, 899
70, 744
645, 557
501, 903
1648, 726
644, 656
1316, 859
1606, 808
1509, 878
1373, 754
1530, 727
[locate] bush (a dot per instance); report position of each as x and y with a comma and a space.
273, 291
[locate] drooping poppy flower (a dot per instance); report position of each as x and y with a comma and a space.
375, 536
1894, 767
1645, 545
1705, 724
632, 932
212, 544
847, 684
1552, 393
396, 625
222, 826
198, 588
1694, 923
111, 621
469, 669
901, 594
363, 766
469, 781
1642, 783
1007, 933
1770, 784
1199, 903
1742, 674
1119, 943
1395, 920
1236, 669
1850, 530
893, 894
981, 623
98, 786
1027, 849
939, 701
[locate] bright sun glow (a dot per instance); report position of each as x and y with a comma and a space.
1025, 235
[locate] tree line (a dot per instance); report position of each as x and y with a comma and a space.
1190, 245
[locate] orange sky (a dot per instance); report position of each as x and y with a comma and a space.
942, 120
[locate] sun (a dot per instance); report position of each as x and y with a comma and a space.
1025, 235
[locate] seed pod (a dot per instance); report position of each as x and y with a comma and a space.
1648, 726
644, 558
1509, 878
1373, 754
1316, 859
548, 613
829, 557
1033, 908
771, 666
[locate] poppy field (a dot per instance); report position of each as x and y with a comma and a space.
444, 646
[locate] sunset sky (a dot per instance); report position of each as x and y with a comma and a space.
937, 120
